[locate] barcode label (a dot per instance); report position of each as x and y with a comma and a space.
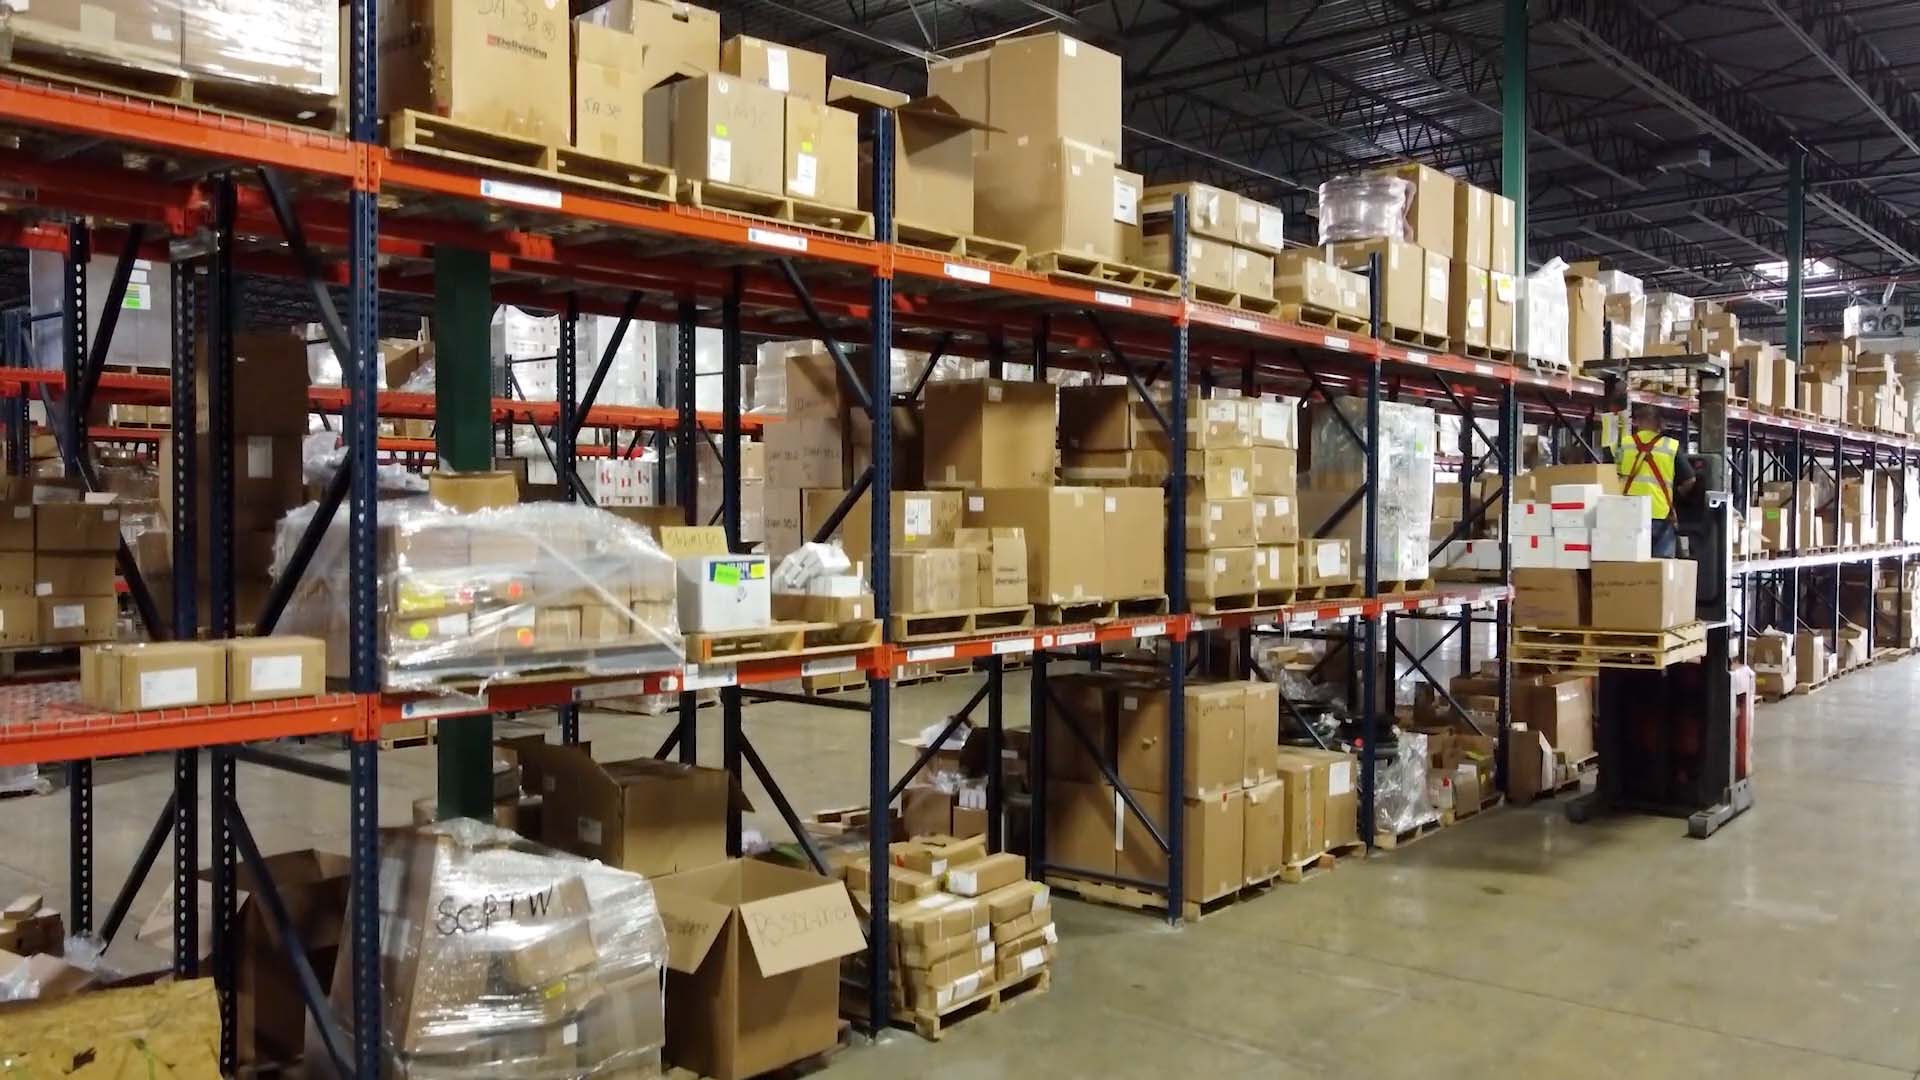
963, 272
930, 652
1012, 645
775, 239
1340, 343
832, 665
526, 194
1112, 299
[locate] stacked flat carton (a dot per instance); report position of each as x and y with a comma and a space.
1250, 807
1234, 244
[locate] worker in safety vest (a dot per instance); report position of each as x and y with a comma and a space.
1651, 464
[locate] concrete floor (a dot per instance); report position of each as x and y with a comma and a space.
1512, 945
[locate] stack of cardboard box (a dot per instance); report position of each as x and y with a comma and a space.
1770, 653
1622, 312
1875, 397
1232, 244
160, 675
1764, 374
1825, 369
1893, 610
60, 573
1483, 293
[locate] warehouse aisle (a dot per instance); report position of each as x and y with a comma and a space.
1507, 946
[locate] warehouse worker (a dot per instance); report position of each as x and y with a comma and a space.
1651, 464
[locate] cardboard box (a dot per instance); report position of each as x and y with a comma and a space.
1260, 746
1139, 566
281, 666
1275, 471
1431, 213
1218, 523
651, 817
66, 620
1652, 595
918, 519
73, 575
719, 129
1324, 562
1221, 572
160, 675
1263, 836
963, 84
1303, 276
1338, 809
673, 39
932, 159
1261, 227
985, 875
1813, 661
467, 63
1559, 707
753, 979
1503, 292
780, 68
1210, 263
19, 620
904, 884
16, 527
1216, 720
1551, 598
76, 527
1467, 304
1276, 520
822, 153
609, 93
1403, 285
1215, 828
1083, 829
1586, 322
1052, 86
1211, 211
1472, 227
1097, 418
989, 433
806, 452
1003, 564
1129, 188
1066, 537
1046, 195
929, 580
1252, 270
1276, 566
1305, 833
1500, 248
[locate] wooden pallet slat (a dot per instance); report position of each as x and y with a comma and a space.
1066, 264
1415, 338
942, 625
960, 245
1392, 841
470, 144
624, 177
1082, 611
1238, 301
783, 209
1222, 605
1586, 648
1325, 318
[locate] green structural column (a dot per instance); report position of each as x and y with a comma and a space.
1796, 253
463, 436
1513, 127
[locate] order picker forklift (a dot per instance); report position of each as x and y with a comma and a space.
1670, 740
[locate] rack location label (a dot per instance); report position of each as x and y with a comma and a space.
525, 194
775, 239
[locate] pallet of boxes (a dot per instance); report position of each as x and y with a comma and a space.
967, 932
1336, 466
1242, 522
1602, 603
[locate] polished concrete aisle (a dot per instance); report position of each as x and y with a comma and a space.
1510, 946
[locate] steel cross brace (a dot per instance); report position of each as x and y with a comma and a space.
137, 877
933, 361
627, 314
1126, 366
1566, 425
310, 539
330, 321
109, 318
932, 748
780, 803
1438, 686
1113, 778
827, 338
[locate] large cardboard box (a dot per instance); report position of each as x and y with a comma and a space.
932, 156
753, 979
1218, 523
1216, 720
1586, 321
1052, 86
1263, 837
1210, 262
1467, 304
1252, 271
1500, 251
1472, 227
1066, 537
19, 620
1221, 572
651, 817
1651, 595
157, 675
73, 575
1561, 708
1431, 215
121, 29
989, 433
1260, 747
1137, 567
1211, 211
280, 666
16, 527
805, 452
918, 520
1304, 276
1306, 834
1046, 195
1544, 597
780, 68
1338, 810
930, 580
962, 82
66, 620
822, 155
719, 129
76, 527
1082, 826
674, 39
468, 63
609, 94
1215, 828
1003, 564
269, 384
1097, 418
1403, 286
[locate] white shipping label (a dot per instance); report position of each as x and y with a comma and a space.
806, 169
1476, 312
964, 882
1220, 412
1273, 562
1219, 564
917, 519
1126, 202
138, 297
1113, 505
69, 616
1340, 778
271, 673
589, 831
1033, 958
1069, 46
259, 457
1331, 559
168, 686
1119, 823
976, 504
1052, 935
43, 588
719, 159
570, 1034
995, 393
1237, 483
1272, 228
1218, 511
1281, 505
777, 70
1436, 283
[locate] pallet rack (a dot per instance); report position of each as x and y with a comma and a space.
322, 193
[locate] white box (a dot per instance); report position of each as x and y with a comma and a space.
1623, 513
1622, 545
1279, 422
1572, 549
1573, 505
1484, 554
1454, 554
724, 592
1533, 552
1530, 519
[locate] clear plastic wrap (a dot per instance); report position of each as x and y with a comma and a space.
1400, 800
1668, 314
1364, 208
503, 957
1628, 314
1546, 314
1404, 504
495, 593
290, 44
23, 780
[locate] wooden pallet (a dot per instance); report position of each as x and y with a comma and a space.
1345, 591
1487, 802
961, 245
1577, 771
933, 1025
1391, 841
1325, 318
784, 209
1459, 574
1083, 611
779, 639
1140, 607
438, 136
806, 1066
1416, 338
1421, 585
1584, 649
967, 622
30, 49
1543, 366
1294, 873
1264, 305
1064, 264
1134, 898
1221, 605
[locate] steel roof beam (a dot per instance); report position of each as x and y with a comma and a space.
1825, 31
